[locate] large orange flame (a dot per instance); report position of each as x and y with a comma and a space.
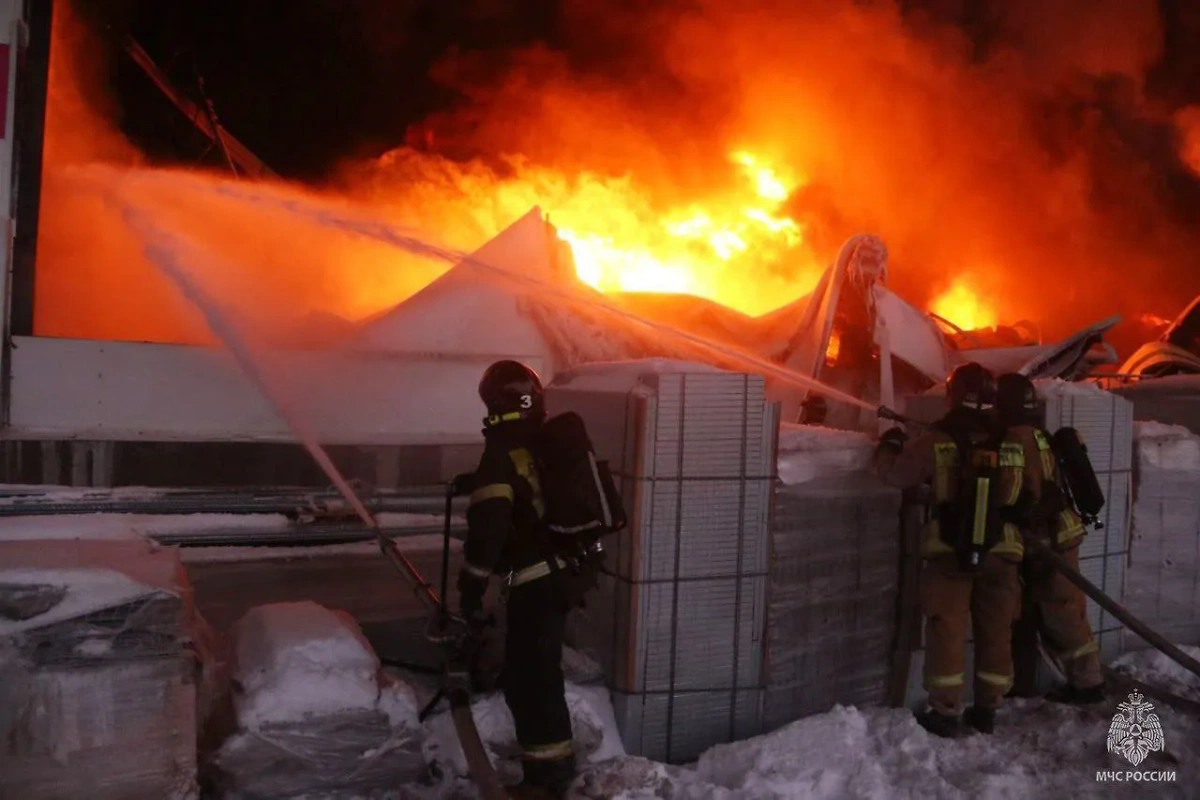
779, 130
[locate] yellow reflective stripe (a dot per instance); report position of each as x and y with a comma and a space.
994, 678
548, 752
479, 572
496, 419
1083, 650
1012, 455
943, 681
945, 459
534, 571
491, 492
1047, 455
522, 460
979, 529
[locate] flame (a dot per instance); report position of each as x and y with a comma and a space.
691, 247
1153, 320
734, 178
963, 306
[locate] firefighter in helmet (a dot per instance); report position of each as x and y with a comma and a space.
1058, 606
971, 555
503, 519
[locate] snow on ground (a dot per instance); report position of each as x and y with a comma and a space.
134, 526
87, 590
297, 660
1166, 447
1153, 666
1040, 750
809, 452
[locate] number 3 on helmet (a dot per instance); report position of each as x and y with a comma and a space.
510, 387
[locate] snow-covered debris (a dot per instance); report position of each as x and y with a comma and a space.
1166, 447
315, 713
811, 452
1153, 666
81, 591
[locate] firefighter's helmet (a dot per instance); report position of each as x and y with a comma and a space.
971, 386
1016, 397
511, 391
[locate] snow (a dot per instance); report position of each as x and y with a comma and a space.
88, 590
811, 452
206, 555
1057, 387
592, 721
1171, 448
1155, 667
299, 660
1040, 750
135, 526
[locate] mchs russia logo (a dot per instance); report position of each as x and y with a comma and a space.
1135, 733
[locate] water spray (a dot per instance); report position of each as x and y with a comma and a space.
405, 239
161, 247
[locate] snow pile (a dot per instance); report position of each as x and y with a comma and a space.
314, 711
595, 737
812, 452
1166, 447
1154, 667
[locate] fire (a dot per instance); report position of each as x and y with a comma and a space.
962, 305
691, 249
730, 240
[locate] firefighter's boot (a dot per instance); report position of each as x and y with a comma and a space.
981, 719
944, 725
1073, 695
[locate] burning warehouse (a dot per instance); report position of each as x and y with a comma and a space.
265, 287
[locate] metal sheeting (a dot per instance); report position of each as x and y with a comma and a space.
678, 627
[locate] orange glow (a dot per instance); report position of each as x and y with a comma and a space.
691, 247
963, 306
781, 130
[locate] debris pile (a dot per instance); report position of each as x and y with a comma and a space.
314, 711
98, 688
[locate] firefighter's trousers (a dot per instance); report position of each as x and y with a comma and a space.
952, 600
534, 688
1063, 618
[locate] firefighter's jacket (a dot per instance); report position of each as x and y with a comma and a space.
933, 458
1065, 527
506, 506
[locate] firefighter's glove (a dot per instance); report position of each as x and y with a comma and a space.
471, 589
893, 440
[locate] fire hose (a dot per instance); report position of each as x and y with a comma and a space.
1056, 560
1131, 622
163, 250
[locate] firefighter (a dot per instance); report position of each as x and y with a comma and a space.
1060, 610
504, 518
969, 574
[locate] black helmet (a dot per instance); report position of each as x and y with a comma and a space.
511, 391
1016, 397
971, 386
